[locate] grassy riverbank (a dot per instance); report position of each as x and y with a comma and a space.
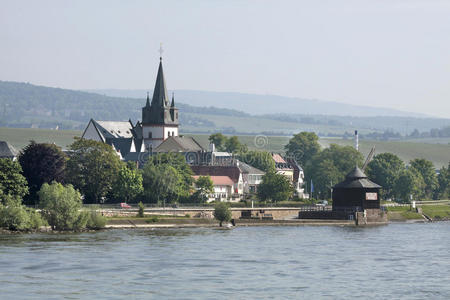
404, 213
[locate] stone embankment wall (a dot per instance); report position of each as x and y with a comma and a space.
278, 213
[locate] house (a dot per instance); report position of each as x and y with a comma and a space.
8, 151
187, 146
251, 177
232, 171
223, 188
282, 167
298, 178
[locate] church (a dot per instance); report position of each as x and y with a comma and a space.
157, 132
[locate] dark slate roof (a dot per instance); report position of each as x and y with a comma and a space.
160, 97
356, 179
179, 144
245, 168
6, 150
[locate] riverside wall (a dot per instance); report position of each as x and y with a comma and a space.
278, 213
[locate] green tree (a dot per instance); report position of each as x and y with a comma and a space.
303, 146
409, 182
127, 185
274, 187
41, 163
384, 170
218, 140
92, 168
427, 170
61, 206
222, 213
13, 186
204, 186
233, 145
330, 166
161, 183
259, 159
325, 174
443, 190
177, 161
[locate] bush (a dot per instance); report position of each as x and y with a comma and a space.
61, 207
95, 220
152, 219
19, 218
141, 207
222, 213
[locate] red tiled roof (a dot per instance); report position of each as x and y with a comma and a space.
231, 171
278, 159
218, 180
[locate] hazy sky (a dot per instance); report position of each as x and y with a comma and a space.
392, 53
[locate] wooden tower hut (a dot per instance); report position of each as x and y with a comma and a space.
356, 193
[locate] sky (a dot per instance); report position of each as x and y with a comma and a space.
388, 53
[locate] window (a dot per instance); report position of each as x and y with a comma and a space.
149, 135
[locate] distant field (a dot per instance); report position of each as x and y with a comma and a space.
439, 154
20, 137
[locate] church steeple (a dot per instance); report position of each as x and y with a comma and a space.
147, 104
160, 97
173, 101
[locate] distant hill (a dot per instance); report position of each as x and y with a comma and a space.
266, 104
26, 105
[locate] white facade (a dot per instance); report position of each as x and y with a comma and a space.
154, 135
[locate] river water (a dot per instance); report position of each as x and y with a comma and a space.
398, 261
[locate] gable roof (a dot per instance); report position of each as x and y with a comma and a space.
278, 159
246, 168
114, 129
218, 180
7, 150
231, 171
179, 144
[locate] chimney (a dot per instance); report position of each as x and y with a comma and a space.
356, 140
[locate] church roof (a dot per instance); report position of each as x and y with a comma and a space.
160, 97
179, 144
356, 179
114, 129
7, 150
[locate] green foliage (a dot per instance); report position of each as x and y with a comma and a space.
13, 186
443, 190
61, 206
274, 187
233, 145
92, 168
409, 182
259, 159
161, 182
177, 161
19, 218
384, 170
218, 140
330, 166
303, 146
127, 185
222, 213
426, 169
94, 220
141, 207
41, 163
204, 187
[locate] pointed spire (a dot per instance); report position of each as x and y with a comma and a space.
148, 100
160, 98
173, 100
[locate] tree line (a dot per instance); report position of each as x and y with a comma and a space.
324, 168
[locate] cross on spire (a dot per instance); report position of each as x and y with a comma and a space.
160, 51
